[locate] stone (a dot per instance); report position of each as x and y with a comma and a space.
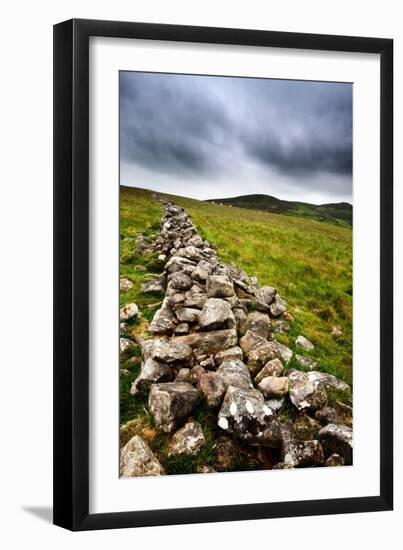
219, 286
277, 307
245, 414
171, 403
274, 387
205, 469
241, 321
128, 312
124, 372
164, 321
188, 440
258, 323
123, 329
155, 286
250, 340
190, 252
151, 372
207, 363
215, 314
305, 391
275, 404
260, 355
178, 264
196, 240
304, 343
282, 351
183, 375
180, 281
137, 459
334, 460
182, 328
296, 453
306, 362
196, 373
329, 381
125, 345
225, 453
187, 315
278, 326
336, 332
202, 271
306, 427
162, 257
266, 295
235, 373
209, 342
274, 367
195, 297
167, 352
125, 284
228, 355
213, 388
337, 438
140, 268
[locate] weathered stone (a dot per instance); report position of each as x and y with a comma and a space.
196, 240
178, 264
305, 391
188, 440
151, 372
216, 313
336, 332
219, 286
258, 323
209, 342
180, 281
304, 343
123, 329
260, 355
274, 387
235, 373
128, 312
205, 469
296, 453
335, 415
137, 459
125, 345
202, 271
241, 321
187, 315
334, 460
306, 362
225, 453
306, 427
328, 381
182, 328
266, 295
228, 355
250, 340
195, 297
125, 284
124, 372
172, 403
279, 326
196, 373
190, 252
184, 375
155, 286
212, 387
282, 351
337, 438
167, 352
164, 321
271, 368
207, 363
245, 414
277, 307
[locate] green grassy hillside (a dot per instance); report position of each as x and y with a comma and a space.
337, 213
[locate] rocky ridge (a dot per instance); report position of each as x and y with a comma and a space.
213, 340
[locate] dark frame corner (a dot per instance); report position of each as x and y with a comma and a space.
71, 274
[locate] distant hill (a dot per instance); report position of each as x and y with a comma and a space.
336, 213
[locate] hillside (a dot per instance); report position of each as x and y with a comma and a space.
337, 213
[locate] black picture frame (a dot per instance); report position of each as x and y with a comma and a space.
71, 274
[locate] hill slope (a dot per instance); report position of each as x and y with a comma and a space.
336, 213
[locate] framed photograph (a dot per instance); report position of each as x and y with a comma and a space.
223, 321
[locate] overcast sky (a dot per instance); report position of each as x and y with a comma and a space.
210, 137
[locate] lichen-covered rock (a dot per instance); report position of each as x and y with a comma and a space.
334, 460
260, 355
182, 328
219, 286
336, 438
339, 413
196, 373
125, 284
167, 351
187, 315
277, 307
228, 355
249, 341
209, 342
296, 453
274, 387
125, 345
278, 326
245, 414
235, 373
195, 297
212, 387
241, 321
266, 295
306, 427
155, 286
304, 343
225, 453
128, 312
172, 403
178, 264
188, 440
216, 313
283, 353
164, 321
151, 372
306, 362
305, 391
274, 367
180, 281
202, 271
137, 459
259, 323
184, 375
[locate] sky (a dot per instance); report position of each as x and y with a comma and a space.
210, 137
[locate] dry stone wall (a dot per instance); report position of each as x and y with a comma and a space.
214, 339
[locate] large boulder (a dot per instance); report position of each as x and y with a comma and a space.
336, 438
215, 314
245, 414
128, 312
212, 387
209, 342
235, 373
137, 459
172, 403
219, 286
305, 391
151, 372
167, 351
188, 440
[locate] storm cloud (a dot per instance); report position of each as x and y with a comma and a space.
210, 137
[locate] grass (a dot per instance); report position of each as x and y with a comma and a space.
309, 262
